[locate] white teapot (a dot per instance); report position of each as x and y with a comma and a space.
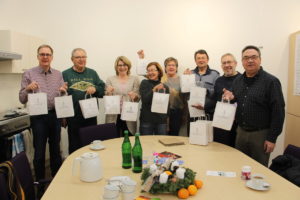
90, 167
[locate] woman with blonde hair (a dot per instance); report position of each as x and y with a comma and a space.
125, 85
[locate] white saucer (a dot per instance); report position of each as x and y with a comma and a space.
96, 148
263, 187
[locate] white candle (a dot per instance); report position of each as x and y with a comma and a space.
163, 178
180, 173
153, 168
174, 164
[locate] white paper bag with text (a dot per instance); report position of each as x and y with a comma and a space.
130, 111
64, 106
112, 104
89, 107
186, 82
160, 102
198, 132
37, 104
224, 115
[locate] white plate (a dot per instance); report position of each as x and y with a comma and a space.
263, 187
96, 148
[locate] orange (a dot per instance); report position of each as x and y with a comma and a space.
198, 184
192, 190
183, 193
168, 172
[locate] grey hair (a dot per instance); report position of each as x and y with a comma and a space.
77, 49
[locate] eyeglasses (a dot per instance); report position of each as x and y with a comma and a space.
124, 65
247, 58
229, 62
152, 70
45, 54
80, 57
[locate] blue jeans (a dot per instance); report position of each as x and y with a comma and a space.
46, 128
147, 128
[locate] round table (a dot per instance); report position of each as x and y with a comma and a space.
214, 156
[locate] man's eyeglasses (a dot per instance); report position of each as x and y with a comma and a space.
45, 54
229, 62
247, 58
80, 57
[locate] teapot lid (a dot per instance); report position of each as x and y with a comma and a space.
89, 155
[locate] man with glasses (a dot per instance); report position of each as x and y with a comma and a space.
228, 64
44, 78
260, 107
81, 81
205, 77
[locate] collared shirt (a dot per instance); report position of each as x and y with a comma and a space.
207, 81
48, 82
260, 103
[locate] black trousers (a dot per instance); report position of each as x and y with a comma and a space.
46, 128
74, 124
175, 121
224, 136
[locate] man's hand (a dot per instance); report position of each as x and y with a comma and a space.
63, 89
198, 106
141, 54
187, 71
269, 146
227, 95
32, 86
90, 90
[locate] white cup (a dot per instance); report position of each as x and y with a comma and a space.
111, 192
258, 180
128, 186
128, 189
96, 144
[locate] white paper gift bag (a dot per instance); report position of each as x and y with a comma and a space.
37, 104
130, 111
224, 115
197, 95
112, 104
194, 112
89, 107
210, 131
198, 133
64, 106
160, 102
186, 82
141, 67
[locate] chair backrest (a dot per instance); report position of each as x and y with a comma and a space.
292, 150
97, 132
23, 173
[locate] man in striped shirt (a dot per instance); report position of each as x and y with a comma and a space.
44, 78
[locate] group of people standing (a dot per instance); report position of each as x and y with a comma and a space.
260, 103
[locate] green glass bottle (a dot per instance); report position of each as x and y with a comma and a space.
137, 155
126, 151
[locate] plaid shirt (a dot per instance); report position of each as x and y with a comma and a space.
48, 82
260, 103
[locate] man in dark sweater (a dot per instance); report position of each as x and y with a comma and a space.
228, 64
260, 107
81, 81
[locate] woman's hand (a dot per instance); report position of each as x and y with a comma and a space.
158, 87
141, 54
187, 71
110, 90
132, 95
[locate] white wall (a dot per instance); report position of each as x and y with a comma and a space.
109, 28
